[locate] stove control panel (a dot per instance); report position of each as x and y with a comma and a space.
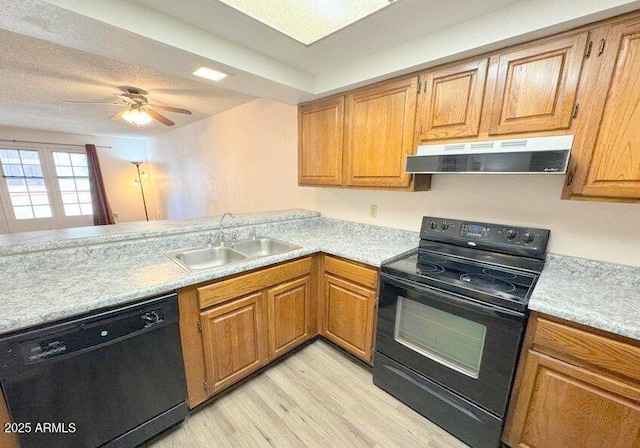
525, 241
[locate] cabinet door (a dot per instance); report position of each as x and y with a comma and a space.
289, 315
451, 104
535, 87
559, 405
349, 316
380, 124
234, 340
615, 165
320, 126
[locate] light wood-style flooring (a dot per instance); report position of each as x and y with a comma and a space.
318, 397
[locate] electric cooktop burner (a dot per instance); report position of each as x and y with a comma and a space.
487, 282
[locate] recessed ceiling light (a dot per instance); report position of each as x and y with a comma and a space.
209, 73
310, 20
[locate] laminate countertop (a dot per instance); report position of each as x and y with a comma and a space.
46, 279
594, 293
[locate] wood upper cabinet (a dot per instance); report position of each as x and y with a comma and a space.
575, 388
320, 134
536, 86
609, 164
350, 306
451, 103
289, 310
379, 133
234, 340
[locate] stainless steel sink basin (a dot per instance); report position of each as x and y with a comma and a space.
208, 257
263, 247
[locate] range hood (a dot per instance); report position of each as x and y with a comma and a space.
535, 155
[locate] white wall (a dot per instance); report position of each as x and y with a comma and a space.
245, 159
241, 160
117, 171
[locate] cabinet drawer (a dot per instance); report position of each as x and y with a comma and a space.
244, 284
360, 274
592, 349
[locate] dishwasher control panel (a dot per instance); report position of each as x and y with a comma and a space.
66, 338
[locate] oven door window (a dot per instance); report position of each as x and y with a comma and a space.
446, 338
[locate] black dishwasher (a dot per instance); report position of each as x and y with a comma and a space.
108, 379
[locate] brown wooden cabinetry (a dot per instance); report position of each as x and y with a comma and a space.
350, 306
232, 327
320, 134
379, 134
575, 387
378, 127
526, 89
608, 164
289, 314
536, 86
234, 342
451, 104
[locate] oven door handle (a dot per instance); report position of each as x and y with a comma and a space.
466, 303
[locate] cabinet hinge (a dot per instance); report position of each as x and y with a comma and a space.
587, 50
206, 388
377, 301
574, 114
199, 327
570, 175
601, 47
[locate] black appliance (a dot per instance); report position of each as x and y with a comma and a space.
109, 379
451, 319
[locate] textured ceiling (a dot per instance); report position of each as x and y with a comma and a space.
36, 77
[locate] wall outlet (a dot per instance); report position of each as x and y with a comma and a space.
373, 211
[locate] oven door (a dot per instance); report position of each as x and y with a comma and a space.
469, 347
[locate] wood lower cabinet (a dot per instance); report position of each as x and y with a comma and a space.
575, 388
234, 341
608, 165
232, 327
7, 439
350, 306
289, 311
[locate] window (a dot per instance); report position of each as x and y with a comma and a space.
44, 188
73, 179
25, 182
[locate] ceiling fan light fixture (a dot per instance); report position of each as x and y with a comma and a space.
136, 116
209, 73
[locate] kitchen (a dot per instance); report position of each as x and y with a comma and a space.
246, 159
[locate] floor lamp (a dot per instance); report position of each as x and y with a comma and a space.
139, 180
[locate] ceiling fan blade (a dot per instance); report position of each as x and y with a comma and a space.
160, 118
117, 114
171, 109
93, 102
125, 97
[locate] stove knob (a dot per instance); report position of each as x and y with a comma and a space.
511, 234
434, 225
528, 238
444, 225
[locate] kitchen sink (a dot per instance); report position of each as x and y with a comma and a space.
263, 247
208, 257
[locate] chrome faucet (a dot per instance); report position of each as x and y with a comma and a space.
234, 235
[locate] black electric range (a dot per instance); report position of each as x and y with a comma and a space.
451, 320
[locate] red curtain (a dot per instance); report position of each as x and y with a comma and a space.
102, 214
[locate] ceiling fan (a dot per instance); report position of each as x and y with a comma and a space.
137, 109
